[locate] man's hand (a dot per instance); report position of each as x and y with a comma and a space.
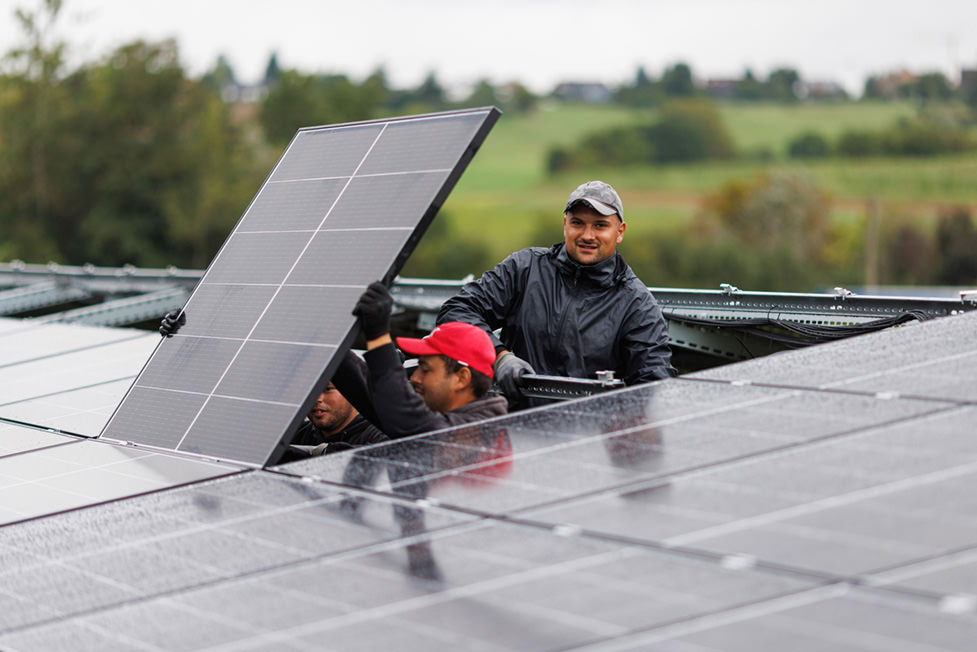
374, 309
172, 322
509, 370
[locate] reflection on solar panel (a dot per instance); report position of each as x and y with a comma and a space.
819, 499
344, 206
67, 379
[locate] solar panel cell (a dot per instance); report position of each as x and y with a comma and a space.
320, 153
274, 371
301, 313
226, 310
292, 205
162, 419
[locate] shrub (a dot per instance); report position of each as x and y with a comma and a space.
702, 118
777, 213
617, 146
859, 144
559, 159
925, 138
676, 140
956, 245
809, 144
688, 130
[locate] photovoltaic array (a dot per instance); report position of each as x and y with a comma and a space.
819, 499
271, 317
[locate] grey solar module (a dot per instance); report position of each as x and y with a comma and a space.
68, 378
344, 206
687, 515
77, 473
15, 438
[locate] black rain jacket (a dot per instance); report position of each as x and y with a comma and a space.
568, 319
379, 390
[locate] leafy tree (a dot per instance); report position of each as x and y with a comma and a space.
873, 89
300, 100
482, 95
518, 98
430, 93
292, 103
32, 103
641, 79
272, 71
173, 178
220, 76
677, 81
928, 87
374, 91
644, 92
749, 87
125, 161
782, 85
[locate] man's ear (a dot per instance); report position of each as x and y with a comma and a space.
463, 378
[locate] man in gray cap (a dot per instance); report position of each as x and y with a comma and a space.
573, 309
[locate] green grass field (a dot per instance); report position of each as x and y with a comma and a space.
507, 187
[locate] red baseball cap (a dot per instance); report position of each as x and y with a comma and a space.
465, 343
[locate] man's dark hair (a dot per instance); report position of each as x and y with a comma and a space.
481, 383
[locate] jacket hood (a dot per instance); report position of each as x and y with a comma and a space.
606, 273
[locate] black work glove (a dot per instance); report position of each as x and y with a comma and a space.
171, 322
374, 309
509, 370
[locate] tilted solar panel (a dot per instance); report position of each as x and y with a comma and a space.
271, 317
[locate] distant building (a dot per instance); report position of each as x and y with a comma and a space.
820, 90
888, 85
589, 93
250, 94
722, 89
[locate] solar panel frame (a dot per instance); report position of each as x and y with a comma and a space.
293, 260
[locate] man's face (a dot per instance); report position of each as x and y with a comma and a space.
331, 412
433, 382
591, 237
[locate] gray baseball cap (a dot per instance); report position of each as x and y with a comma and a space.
599, 196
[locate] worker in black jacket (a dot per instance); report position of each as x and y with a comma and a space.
449, 387
334, 425
573, 309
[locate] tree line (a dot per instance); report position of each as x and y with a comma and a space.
129, 160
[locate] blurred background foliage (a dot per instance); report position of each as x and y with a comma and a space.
127, 160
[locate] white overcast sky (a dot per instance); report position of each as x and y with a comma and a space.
537, 42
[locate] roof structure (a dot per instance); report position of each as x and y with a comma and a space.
813, 499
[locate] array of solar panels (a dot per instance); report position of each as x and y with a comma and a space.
343, 207
812, 500
59, 384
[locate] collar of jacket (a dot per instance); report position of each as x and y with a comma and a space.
606, 273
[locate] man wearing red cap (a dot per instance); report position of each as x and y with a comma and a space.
573, 309
448, 388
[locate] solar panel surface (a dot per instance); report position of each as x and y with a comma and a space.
715, 512
343, 207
